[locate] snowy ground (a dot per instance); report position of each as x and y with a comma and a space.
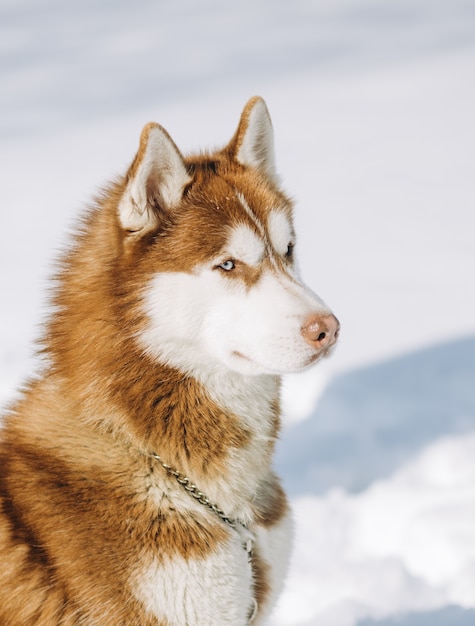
372, 104
383, 479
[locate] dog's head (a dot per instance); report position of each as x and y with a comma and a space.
213, 238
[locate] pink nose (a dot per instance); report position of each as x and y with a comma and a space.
321, 331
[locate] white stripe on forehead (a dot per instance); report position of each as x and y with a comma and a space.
280, 231
251, 214
245, 245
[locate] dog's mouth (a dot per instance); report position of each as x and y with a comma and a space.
240, 355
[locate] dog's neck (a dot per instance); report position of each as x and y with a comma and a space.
253, 398
221, 435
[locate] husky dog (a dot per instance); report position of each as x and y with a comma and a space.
136, 483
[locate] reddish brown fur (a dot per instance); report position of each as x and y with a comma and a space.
76, 515
261, 580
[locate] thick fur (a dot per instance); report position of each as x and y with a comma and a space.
176, 311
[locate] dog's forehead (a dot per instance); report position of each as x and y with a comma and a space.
245, 219
271, 223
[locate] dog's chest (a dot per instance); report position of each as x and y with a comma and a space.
215, 587
213, 590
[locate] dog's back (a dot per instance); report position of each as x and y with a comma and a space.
136, 484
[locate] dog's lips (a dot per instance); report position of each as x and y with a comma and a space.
321, 354
313, 359
240, 355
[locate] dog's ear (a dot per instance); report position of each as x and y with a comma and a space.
253, 142
155, 181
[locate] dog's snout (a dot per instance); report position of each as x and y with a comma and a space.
321, 331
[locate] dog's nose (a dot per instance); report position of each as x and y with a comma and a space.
321, 331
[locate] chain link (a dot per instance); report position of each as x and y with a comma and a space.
193, 490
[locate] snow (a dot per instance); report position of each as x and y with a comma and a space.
372, 105
370, 421
405, 543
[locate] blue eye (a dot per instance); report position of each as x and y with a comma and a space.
227, 265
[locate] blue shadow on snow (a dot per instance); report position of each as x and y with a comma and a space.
371, 420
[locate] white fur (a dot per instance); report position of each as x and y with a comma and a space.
245, 245
214, 591
274, 545
202, 320
280, 231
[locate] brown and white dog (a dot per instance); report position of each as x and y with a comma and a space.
136, 483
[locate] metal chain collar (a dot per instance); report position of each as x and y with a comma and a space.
193, 490
200, 497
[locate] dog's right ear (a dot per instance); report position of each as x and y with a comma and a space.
155, 181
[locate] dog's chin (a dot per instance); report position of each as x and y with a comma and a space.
250, 366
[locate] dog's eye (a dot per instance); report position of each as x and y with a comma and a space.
290, 250
227, 266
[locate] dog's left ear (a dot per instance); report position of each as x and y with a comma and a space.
253, 142
155, 182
